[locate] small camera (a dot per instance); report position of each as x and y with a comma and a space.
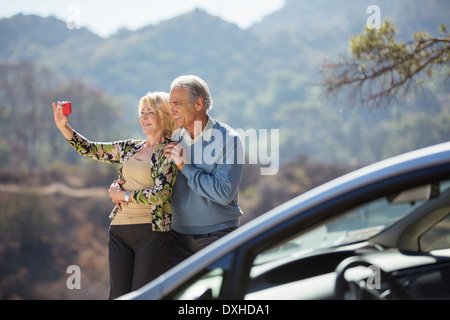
67, 108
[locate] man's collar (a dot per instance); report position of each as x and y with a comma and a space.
206, 134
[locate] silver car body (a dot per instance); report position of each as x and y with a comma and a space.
409, 162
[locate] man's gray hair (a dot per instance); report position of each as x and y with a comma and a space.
197, 88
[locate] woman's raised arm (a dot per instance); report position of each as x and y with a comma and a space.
61, 121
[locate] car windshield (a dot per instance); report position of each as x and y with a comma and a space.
355, 225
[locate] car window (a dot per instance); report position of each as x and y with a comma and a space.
357, 224
206, 286
437, 237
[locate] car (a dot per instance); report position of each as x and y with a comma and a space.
380, 232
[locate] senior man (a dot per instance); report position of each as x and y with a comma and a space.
209, 157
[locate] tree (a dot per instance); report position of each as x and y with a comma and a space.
28, 136
22, 92
380, 69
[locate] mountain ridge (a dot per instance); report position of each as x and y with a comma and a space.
256, 75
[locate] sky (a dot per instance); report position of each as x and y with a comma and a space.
106, 17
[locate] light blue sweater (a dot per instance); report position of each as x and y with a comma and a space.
205, 196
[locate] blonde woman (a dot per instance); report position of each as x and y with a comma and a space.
138, 245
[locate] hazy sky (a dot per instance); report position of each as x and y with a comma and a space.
105, 17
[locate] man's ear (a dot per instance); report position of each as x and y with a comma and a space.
199, 103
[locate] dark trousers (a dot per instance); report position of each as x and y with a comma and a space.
136, 256
182, 246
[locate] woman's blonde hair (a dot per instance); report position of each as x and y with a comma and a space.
159, 102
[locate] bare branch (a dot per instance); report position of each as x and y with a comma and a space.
380, 69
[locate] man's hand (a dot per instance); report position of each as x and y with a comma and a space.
116, 194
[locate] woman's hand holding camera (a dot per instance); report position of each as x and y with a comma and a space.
61, 119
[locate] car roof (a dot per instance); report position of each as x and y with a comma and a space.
385, 169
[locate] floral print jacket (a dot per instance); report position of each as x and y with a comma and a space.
163, 174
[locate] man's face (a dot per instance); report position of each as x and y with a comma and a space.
182, 109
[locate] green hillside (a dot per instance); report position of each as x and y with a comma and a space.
261, 77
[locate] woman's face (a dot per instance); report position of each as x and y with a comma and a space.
149, 120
